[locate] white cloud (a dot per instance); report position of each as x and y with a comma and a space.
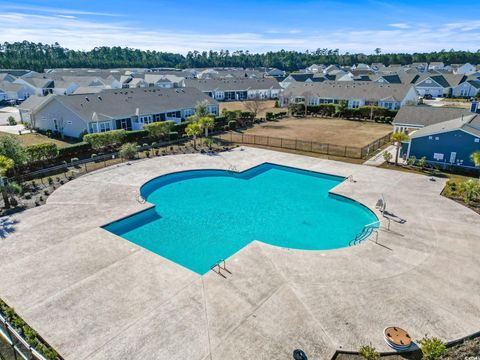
79, 33
400, 26
46, 9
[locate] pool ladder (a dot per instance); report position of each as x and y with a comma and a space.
368, 230
219, 266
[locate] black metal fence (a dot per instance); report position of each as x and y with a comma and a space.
304, 145
19, 347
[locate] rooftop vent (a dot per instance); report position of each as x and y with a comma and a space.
86, 98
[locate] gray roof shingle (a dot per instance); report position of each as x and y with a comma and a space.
469, 123
350, 90
122, 103
423, 115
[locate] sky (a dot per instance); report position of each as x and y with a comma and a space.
257, 26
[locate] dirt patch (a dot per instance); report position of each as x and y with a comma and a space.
328, 131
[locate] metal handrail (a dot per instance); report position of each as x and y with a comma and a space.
140, 198
8, 337
360, 236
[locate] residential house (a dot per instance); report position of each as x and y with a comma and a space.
128, 109
356, 94
419, 66
162, 81
296, 77
275, 72
15, 92
377, 66
315, 68
410, 118
388, 79
237, 89
449, 143
469, 88
436, 65
438, 85
39, 85
7, 77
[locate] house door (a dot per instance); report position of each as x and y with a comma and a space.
453, 157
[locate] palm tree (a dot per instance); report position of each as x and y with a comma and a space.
471, 190
206, 123
5, 165
193, 129
398, 138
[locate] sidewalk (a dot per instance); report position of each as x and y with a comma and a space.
378, 159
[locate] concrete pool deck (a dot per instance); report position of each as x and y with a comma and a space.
93, 295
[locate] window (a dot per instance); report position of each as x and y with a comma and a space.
477, 140
104, 126
355, 104
437, 138
430, 138
438, 157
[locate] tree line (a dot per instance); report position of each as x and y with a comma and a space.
33, 56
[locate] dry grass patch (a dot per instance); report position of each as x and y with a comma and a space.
329, 131
35, 138
241, 105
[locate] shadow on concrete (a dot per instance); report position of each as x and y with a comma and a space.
394, 217
7, 226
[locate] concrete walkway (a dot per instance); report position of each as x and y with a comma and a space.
378, 159
93, 295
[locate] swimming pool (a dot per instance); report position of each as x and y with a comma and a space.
202, 216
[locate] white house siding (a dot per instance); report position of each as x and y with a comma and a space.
411, 98
464, 89
45, 118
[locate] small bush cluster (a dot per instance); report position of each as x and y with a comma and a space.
369, 352
27, 332
432, 348
274, 116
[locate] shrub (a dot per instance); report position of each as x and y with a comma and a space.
180, 128
11, 121
128, 151
159, 129
422, 161
173, 135
369, 352
232, 125
470, 190
432, 348
105, 139
411, 160
40, 152
387, 156
136, 135
75, 149
220, 122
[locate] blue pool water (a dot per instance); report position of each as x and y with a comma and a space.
203, 216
